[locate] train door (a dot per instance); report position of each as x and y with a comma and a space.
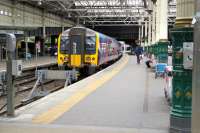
77, 40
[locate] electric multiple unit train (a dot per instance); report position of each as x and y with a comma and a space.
81, 47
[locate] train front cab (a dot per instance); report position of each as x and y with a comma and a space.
78, 48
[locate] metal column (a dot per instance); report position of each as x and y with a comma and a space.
139, 35
184, 13
157, 20
142, 35
162, 29
146, 33
26, 44
11, 46
77, 21
149, 31
1, 52
154, 24
43, 36
196, 74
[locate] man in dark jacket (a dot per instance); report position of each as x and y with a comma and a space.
138, 52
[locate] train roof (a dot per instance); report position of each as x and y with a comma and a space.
79, 27
89, 31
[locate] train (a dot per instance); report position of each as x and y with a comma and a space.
86, 49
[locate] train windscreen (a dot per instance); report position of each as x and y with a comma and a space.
64, 45
90, 45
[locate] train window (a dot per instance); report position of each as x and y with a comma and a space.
64, 42
90, 45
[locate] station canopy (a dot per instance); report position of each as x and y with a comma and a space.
103, 12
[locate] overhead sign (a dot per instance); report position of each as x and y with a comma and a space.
12, 31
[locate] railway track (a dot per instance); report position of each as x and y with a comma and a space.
24, 85
22, 93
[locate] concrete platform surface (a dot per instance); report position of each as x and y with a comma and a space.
124, 97
36, 128
41, 61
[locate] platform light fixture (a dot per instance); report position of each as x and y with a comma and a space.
40, 2
1, 12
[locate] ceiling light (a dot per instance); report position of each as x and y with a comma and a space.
40, 2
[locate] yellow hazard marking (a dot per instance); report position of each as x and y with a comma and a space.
55, 112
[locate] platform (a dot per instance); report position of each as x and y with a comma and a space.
41, 61
124, 97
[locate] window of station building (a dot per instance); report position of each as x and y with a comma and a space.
10, 14
64, 44
6, 13
90, 45
1, 12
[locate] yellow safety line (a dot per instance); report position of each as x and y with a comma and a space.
55, 112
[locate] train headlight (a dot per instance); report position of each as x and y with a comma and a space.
88, 59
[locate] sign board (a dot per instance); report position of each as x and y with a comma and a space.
187, 55
38, 46
16, 32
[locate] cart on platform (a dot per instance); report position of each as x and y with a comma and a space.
160, 70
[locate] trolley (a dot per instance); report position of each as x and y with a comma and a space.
160, 70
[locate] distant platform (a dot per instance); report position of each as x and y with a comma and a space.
124, 97
32, 63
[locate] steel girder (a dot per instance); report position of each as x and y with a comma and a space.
100, 12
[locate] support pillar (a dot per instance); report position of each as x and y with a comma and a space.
162, 31
77, 21
154, 24
196, 75
43, 38
163, 23
26, 44
139, 35
63, 28
142, 36
42, 46
157, 20
146, 28
13, 10
11, 47
182, 34
149, 31
185, 12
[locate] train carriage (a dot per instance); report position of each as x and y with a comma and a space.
81, 47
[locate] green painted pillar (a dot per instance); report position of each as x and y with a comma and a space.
155, 49
162, 51
180, 117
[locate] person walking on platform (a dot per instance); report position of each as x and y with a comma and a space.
138, 52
